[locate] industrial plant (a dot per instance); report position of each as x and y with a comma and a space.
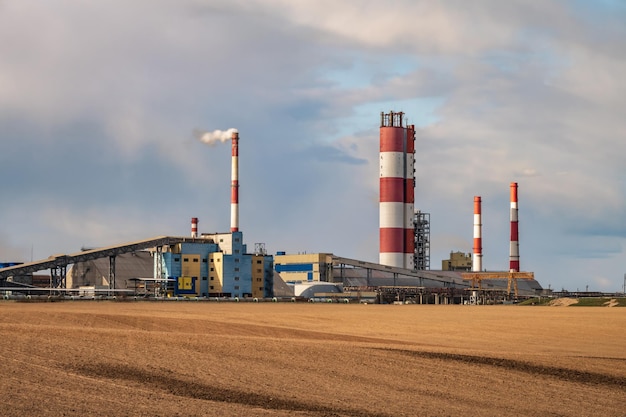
222, 267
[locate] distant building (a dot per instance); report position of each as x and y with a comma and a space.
459, 261
304, 267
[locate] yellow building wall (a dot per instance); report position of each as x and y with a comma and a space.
216, 272
190, 267
258, 285
306, 258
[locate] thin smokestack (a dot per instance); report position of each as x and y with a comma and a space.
234, 188
194, 227
211, 138
514, 251
477, 260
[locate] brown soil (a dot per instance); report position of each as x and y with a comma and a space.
267, 359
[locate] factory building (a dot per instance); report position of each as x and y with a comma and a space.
459, 261
304, 267
215, 265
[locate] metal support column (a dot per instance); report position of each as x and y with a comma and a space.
112, 273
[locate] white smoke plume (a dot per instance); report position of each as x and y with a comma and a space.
212, 138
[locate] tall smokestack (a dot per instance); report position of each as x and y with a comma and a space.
194, 227
477, 260
514, 251
234, 187
397, 187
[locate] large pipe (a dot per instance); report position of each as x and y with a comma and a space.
234, 188
514, 250
477, 260
194, 227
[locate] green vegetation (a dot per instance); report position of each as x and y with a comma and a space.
537, 301
581, 302
599, 302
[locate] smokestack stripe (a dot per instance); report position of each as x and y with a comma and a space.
234, 189
514, 249
396, 202
477, 260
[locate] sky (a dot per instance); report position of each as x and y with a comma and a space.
101, 103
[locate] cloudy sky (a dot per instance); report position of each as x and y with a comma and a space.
99, 102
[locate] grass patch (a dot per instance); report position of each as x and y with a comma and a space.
599, 302
537, 301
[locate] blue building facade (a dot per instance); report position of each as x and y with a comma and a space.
216, 265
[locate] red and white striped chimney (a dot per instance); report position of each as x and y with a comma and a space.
397, 191
514, 250
477, 260
194, 227
234, 187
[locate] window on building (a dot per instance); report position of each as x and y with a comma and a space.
236, 278
211, 287
237, 239
203, 278
212, 278
236, 269
236, 250
203, 260
259, 280
211, 259
258, 270
176, 259
212, 269
236, 259
259, 261
185, 259
260, 288
221, 240
236, 287
195, 260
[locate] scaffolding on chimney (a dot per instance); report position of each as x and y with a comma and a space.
421, 223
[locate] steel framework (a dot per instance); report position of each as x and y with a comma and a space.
477, 277
421, 223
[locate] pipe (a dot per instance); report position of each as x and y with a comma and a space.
514, 249
477, 260
234, 188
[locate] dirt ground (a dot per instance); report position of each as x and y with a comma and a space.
273, 359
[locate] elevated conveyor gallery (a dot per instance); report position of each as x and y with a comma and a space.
57, 264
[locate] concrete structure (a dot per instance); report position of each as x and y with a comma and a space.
477, 261
397, 191
514, 249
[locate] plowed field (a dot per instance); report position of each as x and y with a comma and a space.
273, 359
